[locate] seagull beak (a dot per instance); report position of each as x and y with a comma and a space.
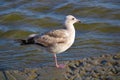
78, 21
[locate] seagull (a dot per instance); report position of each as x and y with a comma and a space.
55, 41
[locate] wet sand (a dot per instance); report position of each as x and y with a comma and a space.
104, 67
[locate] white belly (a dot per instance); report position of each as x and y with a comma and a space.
59, 48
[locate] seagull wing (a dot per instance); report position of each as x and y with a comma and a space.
52, 37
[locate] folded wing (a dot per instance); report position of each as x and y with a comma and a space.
52, 37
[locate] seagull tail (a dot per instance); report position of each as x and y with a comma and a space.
29, 40
25, 42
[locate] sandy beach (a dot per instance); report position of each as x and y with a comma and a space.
104, 67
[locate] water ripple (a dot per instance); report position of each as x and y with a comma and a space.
99, 32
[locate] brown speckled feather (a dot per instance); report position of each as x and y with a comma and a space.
52, 37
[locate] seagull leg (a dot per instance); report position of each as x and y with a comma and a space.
56, 63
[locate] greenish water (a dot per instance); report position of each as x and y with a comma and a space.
99, 32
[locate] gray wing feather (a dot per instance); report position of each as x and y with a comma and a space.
52, 37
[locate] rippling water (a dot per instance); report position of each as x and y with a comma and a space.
99, 32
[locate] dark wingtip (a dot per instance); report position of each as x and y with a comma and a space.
21, 41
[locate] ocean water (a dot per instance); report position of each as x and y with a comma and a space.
99, 32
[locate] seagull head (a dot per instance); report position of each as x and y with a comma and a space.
71, 19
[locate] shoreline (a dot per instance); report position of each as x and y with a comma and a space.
104, 67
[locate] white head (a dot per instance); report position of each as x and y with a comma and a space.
71, 19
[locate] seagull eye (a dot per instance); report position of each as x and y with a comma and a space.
73, 18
